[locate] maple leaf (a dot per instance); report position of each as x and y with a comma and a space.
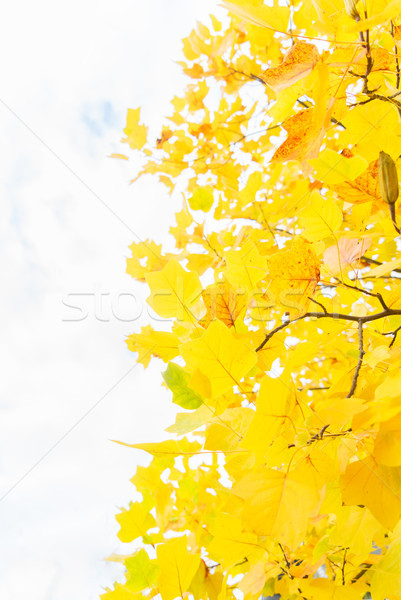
297, 64
175, 292
223, 302
373, 485
278, 504
344, 254
177, 568
136, 133
294, 275
220, 356
304, 138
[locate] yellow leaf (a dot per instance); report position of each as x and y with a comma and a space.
245, 267
355, 529
148, 343
169, 448
378, 487
230, 543
120, 156
263, 16
177, 568
331, 167
321, 218
393, 298
371, 128
324, 589
134, 522
120, 592
189, 421
279, 504
219, 355
385, 268
175, 292
387, 449
386, 580
136, 134
274, 406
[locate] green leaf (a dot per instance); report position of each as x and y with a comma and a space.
177, 381
202, 199
142, 572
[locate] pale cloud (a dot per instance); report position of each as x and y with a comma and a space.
71, 71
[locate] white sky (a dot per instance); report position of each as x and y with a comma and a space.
69, 71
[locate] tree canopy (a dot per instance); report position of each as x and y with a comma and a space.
282, 472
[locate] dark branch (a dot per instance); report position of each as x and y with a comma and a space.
367, 292
360, 360
319, 304
394, 334
353, 318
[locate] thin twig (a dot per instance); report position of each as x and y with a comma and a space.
371, 261
361, 572
394, 334
360, 360
393, 217
319, 304
319, 435
367, 292
397, 62
343, 566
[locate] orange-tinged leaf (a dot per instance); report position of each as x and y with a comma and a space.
294, 275
298, 63
364, 188
304, 137
177, 568
345, 254
223, 302
219, 355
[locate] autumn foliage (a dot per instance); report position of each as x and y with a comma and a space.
282, 472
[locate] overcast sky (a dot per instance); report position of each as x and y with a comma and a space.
69, 71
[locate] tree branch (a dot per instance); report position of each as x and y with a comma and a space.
360, 360
353, 318
394, 334
367, 292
